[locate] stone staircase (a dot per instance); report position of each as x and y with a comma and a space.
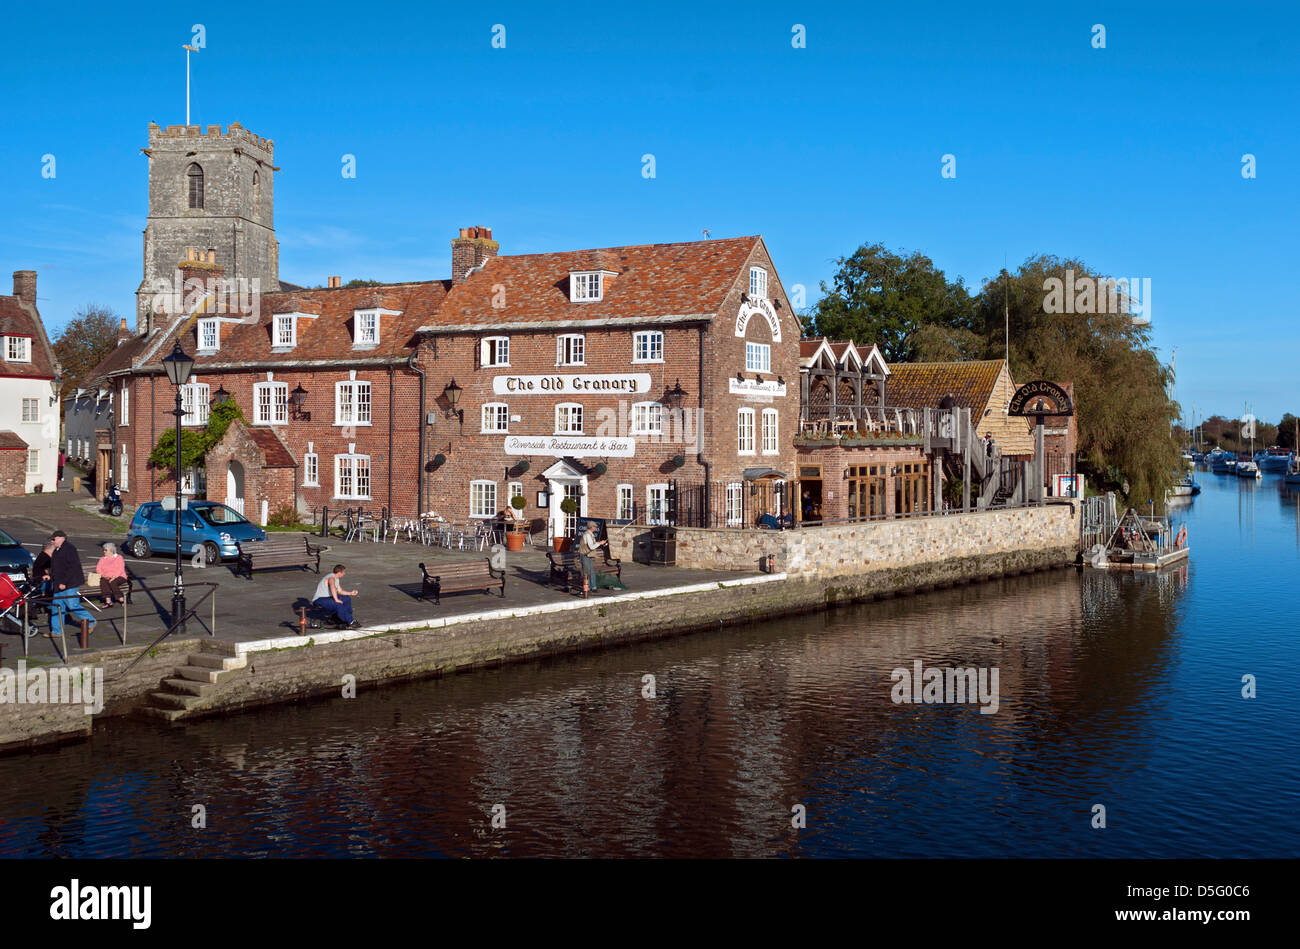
191, 686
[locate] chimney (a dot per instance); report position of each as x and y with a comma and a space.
25, 286
123, 334
472, 249
335, 283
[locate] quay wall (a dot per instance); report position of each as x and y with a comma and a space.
822, 567
854, 549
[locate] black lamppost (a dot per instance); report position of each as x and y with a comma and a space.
178, 366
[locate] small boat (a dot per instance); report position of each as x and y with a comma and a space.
1184, 487
1248, 469
1274, 460
1292, 476
1221, 462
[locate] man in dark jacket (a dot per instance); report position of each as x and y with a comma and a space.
66, 576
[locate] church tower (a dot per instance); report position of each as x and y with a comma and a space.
212, 191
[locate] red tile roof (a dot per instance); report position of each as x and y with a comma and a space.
19, 319
273, 449
651, 283
10, 441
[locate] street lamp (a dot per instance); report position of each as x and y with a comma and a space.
178, 366
452, 393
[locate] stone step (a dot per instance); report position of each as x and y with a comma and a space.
197, 673
186, 686
160, 714
173, 700
209, 660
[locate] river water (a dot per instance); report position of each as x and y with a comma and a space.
1117, 690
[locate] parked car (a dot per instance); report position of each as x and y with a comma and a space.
209, 526
15, 559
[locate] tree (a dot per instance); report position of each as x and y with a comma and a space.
1286, 431
84, 343
888, 299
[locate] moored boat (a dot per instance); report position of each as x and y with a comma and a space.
1274, 460
1184, 487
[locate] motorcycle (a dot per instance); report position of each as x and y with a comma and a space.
113, 502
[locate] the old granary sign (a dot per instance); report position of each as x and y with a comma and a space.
1040, 398
614, 383
559, 446
762, 308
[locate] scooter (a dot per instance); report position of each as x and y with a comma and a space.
113, 502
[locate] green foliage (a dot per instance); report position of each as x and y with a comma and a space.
363, 283
909, 308
286, 515
194, 445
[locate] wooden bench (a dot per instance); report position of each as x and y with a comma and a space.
566, 572
465, 577
277, 552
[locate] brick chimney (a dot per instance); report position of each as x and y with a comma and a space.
473, 248
335, 283
25, 286
123, 334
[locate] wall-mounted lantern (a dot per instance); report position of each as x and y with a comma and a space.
56, 386
220, 397
675, 395
452, 394
296, 399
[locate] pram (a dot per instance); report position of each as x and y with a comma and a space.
12, 599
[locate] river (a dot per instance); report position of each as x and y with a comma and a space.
1117, 690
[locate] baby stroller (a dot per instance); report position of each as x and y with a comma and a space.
12, 599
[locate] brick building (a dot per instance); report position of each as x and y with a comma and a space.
29, 387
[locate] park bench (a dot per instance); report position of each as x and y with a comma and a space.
566, 572
277, 552
464, 577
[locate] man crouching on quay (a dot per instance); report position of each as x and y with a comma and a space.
332, 599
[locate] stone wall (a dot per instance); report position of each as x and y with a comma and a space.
839, 550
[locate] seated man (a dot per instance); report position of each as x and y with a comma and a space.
331, 599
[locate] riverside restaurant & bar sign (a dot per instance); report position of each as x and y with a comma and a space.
560, 446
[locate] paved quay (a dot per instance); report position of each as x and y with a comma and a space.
387, 577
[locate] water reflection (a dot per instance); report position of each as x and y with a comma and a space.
1114, 689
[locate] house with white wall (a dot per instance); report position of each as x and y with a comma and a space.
29, 394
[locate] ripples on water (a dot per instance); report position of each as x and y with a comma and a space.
1115, 689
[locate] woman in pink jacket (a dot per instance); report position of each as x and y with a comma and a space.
112, 574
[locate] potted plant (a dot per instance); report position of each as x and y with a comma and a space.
568, 506
515, 535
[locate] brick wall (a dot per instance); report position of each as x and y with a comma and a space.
13, 472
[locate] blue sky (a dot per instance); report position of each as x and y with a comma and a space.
1128, 157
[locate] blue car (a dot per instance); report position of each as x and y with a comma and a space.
206, 526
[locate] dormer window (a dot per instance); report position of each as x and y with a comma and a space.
209, 336
586, 286
285, 331
757, 283
367, 328
18, 348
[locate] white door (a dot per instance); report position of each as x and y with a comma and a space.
561, 524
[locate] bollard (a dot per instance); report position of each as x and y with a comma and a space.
83, 637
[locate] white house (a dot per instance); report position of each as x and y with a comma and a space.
29, 390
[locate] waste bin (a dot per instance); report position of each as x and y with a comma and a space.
663, 546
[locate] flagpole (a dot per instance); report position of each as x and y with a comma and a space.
188, 49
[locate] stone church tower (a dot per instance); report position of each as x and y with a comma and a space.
212, 191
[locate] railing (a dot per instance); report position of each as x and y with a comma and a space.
237, 504
815, 423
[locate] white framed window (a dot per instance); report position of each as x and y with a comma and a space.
568, 419
745, 431
195, 403
367, 328
271, 403
770, 440
18, 348
625, 510
33, 461
757, 283
496, 417
648, 346
735, 504
586, 286
494, 351
209, 335
352, 403
69, 451
656, 504
483, 499
758, 357
514, 490
31, 410
123, 482
647, 418
125, 407
571, 350
285, 330
352, 476
311, 470
187, 481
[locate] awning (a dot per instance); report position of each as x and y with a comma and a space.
756, 474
